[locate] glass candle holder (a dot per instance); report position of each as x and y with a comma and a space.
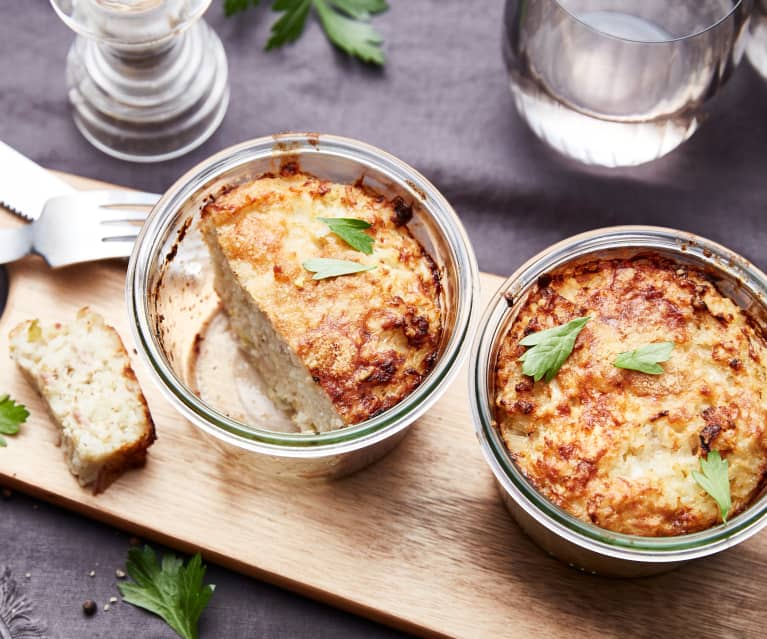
757, 41
619, 82
147, 79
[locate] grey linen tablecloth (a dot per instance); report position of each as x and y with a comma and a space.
441, 104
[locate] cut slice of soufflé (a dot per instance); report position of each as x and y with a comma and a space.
336, 351
82, 371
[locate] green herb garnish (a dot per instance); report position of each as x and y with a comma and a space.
645, 359
349, 229
12, 415
346, 23
235, 6
172, 591
714, 480
324, 267
550, 349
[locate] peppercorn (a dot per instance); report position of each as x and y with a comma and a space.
89, 607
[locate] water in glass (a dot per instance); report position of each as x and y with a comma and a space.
619, 82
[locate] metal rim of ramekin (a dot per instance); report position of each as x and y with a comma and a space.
302, 445
510, 479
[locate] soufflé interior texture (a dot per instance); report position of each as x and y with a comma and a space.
333, 351
616, 447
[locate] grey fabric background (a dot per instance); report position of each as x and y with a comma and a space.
441, 104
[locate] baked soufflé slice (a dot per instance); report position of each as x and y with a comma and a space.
334, 351
83, 373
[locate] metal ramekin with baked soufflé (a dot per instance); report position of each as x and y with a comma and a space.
618, 393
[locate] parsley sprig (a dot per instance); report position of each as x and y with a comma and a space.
235, 6
550, 349
646, 359
324, 267
714, 479
171, 590
12, 415
350, 230
345, 22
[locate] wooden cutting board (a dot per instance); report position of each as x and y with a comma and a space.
419, 540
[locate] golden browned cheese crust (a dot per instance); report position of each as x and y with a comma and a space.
367, 339
617, 447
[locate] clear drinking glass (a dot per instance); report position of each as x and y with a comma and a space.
757, 42
147, 79
619, 82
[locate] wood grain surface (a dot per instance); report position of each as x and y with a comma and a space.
419, 540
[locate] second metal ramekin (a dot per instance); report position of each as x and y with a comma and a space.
571, 540
170, 292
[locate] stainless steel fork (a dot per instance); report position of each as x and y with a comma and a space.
80, 227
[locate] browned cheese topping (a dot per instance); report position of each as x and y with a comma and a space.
367, 339
617, 447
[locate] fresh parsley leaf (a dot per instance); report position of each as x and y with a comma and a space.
11, 416
290, 25
172, 591
345, 22
714, 480
354, 36
236, 6
323, 267
646, 358
349, 229
550, 349
360, 9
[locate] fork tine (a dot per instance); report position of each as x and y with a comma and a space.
115, 197
106, 215
102, 251
111, 232
113, 250
128, 198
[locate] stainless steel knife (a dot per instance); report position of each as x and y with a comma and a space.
25, 186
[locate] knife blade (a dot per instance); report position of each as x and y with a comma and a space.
25, 187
